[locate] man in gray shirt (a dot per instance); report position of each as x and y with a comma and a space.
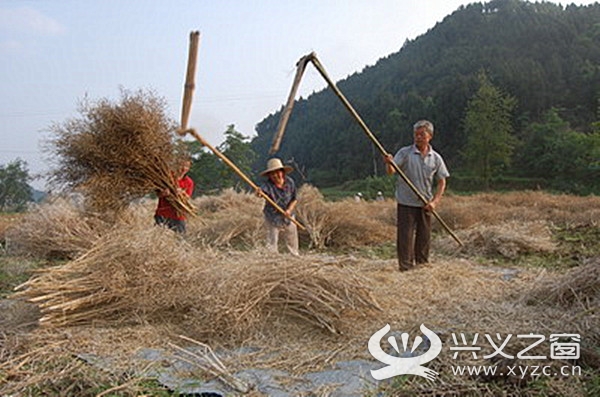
422, 166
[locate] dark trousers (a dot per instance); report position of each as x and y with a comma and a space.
413, 237
176, 225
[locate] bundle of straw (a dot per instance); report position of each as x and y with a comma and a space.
229, 219
136, 274
316, 214
508, 240
130, 274
117, 152
271, 288
55, 229
580, 285
344, 223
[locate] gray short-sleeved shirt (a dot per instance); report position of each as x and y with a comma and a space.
421, 170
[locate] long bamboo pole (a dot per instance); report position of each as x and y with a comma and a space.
287, 110
190, 79
241, 174
313, 58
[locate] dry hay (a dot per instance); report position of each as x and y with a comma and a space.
228, 228
576, 294
55, 229
361, 224
234, 219
464, 212
130, 272
344, 223
509, 240
134, 275
578, 286
227, 199
118, 152
46, 366
251, 298
445, 294
231, 219
449, 296
255, 290
315, 215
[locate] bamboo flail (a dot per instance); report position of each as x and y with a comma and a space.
241, 174
313, 58
287, 111
188, 91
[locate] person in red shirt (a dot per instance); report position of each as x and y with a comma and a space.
166, 214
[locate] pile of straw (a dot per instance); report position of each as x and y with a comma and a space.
463, 212
255, 291
578, 286
131, 273
135, 275
345, 223
508, 240
576, 295
315, 214
235, 219
231, 219
116, 153
55, 229
228, 199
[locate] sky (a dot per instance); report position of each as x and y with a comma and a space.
56, 53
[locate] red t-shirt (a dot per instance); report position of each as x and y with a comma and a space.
165, 209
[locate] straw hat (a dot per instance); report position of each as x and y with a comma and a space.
275, 164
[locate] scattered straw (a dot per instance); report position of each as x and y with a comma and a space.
208, 361
304, 313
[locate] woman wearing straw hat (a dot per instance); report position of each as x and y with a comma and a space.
282, 190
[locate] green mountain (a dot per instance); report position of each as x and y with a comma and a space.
544, 55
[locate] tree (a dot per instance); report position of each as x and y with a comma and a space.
488, 128
15, 191
210, 173
568, 159
206, 169
237, 149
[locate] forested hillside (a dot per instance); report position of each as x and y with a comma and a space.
542, 57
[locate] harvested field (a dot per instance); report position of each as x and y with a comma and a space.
131, 287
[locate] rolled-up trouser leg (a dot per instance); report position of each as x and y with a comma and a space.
291, 238
272, 236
